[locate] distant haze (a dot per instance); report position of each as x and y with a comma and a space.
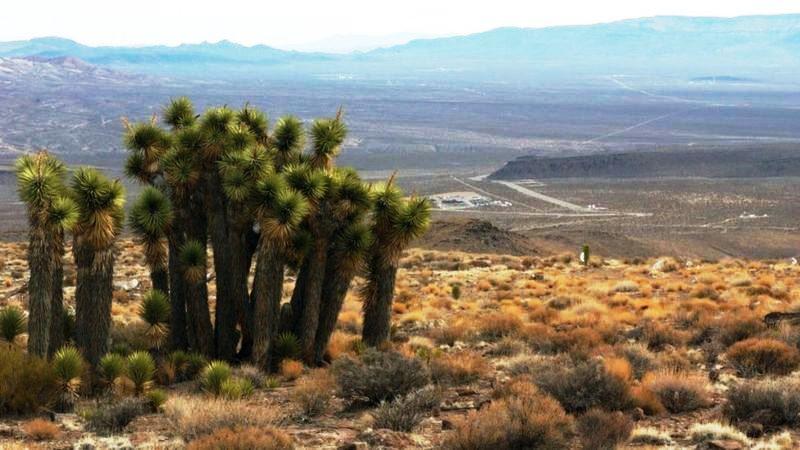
310, 25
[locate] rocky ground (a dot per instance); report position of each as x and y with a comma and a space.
480, 321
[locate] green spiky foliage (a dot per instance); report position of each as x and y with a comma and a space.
396, 222
179, 113
12, 323
235, 388
150, 218
40, 184
155, 312
193, 258
111, 367
256, 122
141, 369
288, 140
327, 135
100, 204
68, 366
146, 142
287, 346
214, 375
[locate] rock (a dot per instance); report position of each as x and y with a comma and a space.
637, 414
447, 424
358, 445
126, 285
724, 444
752, 430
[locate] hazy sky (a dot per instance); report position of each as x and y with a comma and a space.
295, 24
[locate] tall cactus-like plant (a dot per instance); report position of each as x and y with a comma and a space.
40, 183
100, 204
396, 223
150, 219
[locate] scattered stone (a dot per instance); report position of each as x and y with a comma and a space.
447, 424
637, 414
724, 444
752, 430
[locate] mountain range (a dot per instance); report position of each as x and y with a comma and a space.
685, 47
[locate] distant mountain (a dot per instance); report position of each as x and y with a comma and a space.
684, 47
61, 69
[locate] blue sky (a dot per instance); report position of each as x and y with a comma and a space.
311, 25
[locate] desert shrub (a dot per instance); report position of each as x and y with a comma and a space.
758, 356
404, 413
115, 416
659, 335
647, 400
600, 430
214, 375
585, 385
195, 363
771, 402
156, 399
251, 373
12, 323
68, 366
640, 358
155, 311
733, 330
41, 430
626, 286
498, 325
702, 433
243, 439
458, 368
508, 346
379, 376
649, 436
27, 383
291, 369
194, 417
530, 421
287, 346
140, 371
455, 291
313, 392
678, 392
450, 334
235, 388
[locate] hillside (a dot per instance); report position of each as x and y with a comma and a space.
706, 163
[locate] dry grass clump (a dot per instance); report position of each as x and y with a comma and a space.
528, 420
450, 334
649, 436
498, 325
404, 413
291, 369
600, 430
771, 402
194, 417
659, 335
678, 392
759, 356
459, 368
41, 430
702, 433
313, 392
735, 328
243, 439
640, 358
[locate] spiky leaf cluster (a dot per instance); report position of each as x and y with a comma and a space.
150, 219
180, 113
327, 136
12, 323
193, 258
100, 204
147, 142
40, 184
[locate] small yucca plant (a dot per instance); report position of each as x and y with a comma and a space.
68, 366
287, 346
111, 367
155, 310
12, 323
157, 398
214, 375
141, 370
235, 388
173, 367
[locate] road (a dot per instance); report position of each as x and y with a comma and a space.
545, 198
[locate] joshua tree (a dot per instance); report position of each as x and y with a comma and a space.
100, 204
396, 221
150, 218
40, 180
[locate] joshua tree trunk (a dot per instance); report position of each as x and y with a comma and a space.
201, 332
178, 292
334, 290
160, 278
297, 302
40, 290
312, 298
240, 257
225, 335
378, 306
57, 303
93, 295
267, 294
